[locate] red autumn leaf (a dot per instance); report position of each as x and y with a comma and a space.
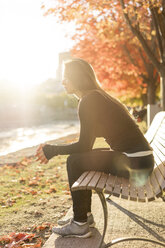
22, 180
53, 189
14, 240
38, 245
33, 183
33, 192
5, 239
24, 162
22, 236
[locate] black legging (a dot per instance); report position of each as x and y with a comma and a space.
106, 161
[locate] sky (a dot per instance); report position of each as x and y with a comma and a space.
29, 42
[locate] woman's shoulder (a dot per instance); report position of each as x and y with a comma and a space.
92, 95
90, 100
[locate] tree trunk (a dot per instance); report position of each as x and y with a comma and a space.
151, 93
144, 100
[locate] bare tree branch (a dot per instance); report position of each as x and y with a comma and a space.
144, 61
143, 42
157, 28
127, 52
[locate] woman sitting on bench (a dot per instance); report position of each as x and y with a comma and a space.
101, 115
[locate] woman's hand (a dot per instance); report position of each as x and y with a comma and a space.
40, 155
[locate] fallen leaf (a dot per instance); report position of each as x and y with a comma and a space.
33, 183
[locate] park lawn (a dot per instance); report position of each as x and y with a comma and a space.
33, 197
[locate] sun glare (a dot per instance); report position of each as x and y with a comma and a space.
30, 43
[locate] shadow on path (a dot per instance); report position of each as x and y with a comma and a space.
136, 218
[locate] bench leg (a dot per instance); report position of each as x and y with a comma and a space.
105, 211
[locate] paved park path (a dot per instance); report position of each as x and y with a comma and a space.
125, 218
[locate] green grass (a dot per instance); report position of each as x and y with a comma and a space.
29, 181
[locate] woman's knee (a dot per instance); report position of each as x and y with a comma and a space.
71, 161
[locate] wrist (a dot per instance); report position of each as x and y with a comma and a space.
49, 151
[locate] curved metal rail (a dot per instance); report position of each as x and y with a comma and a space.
119, 240
105, 211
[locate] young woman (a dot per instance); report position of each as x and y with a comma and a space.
100, 115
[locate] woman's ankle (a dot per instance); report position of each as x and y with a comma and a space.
80, 223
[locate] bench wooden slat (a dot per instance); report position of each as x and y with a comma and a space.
110, 184
117, 187
162, 125
149, 191
162, 169
161, 139
92, 184
160, 178
158, 153
79, 180
86, 180
156, 159
160, 165
160, 147
141, 194
161, 131
102, 182
155, 125
159, 157
125, 188
163, 121
155, 185
133, 193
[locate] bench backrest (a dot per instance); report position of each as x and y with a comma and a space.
156, 136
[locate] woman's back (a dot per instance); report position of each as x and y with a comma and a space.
111, 120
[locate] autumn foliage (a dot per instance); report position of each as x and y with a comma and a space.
110, 56
104, 39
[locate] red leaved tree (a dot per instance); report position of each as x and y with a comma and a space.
146, 19
118, 60
103, 39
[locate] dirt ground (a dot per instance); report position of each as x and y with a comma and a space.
46, 211
37, 213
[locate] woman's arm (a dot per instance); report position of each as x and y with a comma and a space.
86, 138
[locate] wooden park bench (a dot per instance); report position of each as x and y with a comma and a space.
121, 187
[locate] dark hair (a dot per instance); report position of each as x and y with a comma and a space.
81, 74
83, 78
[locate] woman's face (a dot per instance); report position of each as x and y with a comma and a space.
66, 82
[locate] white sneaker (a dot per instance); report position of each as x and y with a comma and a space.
73, 230
90, 221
